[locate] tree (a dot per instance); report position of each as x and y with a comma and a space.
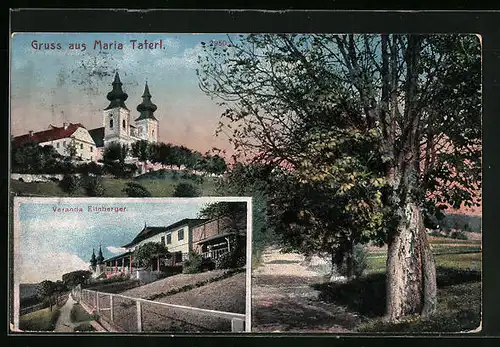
74, 278
115, 152
150, 251
402, 110
71, 149
136, 190
45, 292
186, 190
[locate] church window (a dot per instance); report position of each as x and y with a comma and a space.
169, 239
91, 158
81, 145
111, 122
153, 133
91, 148
57, 144
123, 123
163, 240
64, 143
180, 235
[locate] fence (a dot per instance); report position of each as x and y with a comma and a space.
141, 315
215, 254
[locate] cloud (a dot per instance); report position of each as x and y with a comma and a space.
48, 266
116, 250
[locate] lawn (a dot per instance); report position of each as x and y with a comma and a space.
458, 268
42, 320
161, 187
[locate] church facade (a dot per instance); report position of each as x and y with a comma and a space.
118, 126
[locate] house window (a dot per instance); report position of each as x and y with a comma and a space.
111, 122
180, 235
163, 240
123, 123
169, 239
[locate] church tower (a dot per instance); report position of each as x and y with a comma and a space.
93, 261
147, 124
116, 117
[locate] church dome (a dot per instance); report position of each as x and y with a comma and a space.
117, 96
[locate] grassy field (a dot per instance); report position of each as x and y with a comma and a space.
458, 268
113, 187
42, 320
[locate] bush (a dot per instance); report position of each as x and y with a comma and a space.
186, 190
194, 264
234, 259
360, 262
136, 190
459, 235
93, 186
70, 183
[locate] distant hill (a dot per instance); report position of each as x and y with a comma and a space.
464, 222
27, 290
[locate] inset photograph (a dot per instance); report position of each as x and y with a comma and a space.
131, 265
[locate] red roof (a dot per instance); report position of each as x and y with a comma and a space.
55, 133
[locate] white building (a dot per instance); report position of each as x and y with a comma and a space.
70, 137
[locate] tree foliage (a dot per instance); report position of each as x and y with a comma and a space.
145, 254
74, 278
377, 132
187, 190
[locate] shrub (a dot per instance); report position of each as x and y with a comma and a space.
186, 190
194, 264
360, 262
225, 261
136, 190
94, 186
234, 259
70, 183
459, 235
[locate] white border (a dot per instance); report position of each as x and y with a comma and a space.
18, 200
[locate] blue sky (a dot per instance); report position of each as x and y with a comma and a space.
53, 243
64, 85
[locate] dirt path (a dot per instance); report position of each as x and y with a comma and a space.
283, 299
63, 323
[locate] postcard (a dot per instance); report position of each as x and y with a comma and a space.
361, 153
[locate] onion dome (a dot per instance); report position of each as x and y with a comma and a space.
146, 108
117, 96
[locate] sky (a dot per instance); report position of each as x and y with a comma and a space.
51, 243
52, 86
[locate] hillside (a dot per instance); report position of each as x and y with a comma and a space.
113, 187
209, 290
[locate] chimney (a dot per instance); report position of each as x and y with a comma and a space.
31, 132
65, 125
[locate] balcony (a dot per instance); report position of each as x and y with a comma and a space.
215, 253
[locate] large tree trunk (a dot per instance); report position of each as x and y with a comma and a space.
411, 273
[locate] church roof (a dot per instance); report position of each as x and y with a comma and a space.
148, 232
146, 107
97, 135
117, 96
55, 133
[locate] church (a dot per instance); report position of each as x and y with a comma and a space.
117, 126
